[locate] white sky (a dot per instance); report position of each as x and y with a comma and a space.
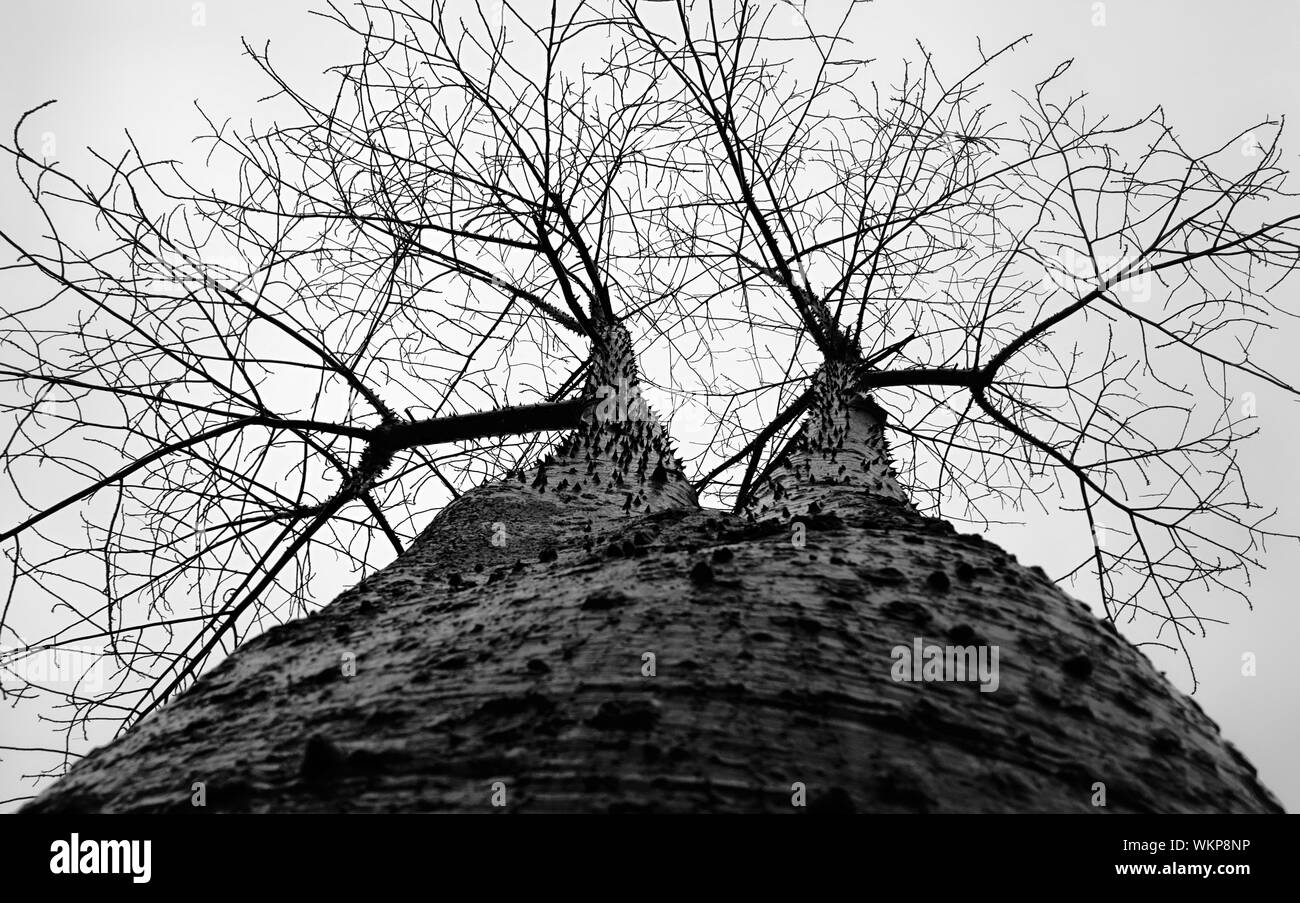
140, 64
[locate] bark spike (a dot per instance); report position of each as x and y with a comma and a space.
840, 457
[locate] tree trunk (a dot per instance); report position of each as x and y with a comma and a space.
540, 646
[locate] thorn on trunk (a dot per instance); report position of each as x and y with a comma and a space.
1078, 666
320, 759
962, 634
702, 574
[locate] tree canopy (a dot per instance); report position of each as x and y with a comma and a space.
403, 296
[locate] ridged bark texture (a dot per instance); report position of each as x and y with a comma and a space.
522, 666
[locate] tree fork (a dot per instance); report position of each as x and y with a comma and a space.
587, 658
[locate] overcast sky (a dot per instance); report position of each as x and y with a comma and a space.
1214, 67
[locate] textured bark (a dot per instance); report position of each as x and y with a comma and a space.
523, 663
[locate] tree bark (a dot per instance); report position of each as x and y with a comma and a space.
518, 672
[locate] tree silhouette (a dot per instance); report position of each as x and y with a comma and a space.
438, 268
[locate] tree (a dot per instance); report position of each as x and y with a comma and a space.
451, 286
